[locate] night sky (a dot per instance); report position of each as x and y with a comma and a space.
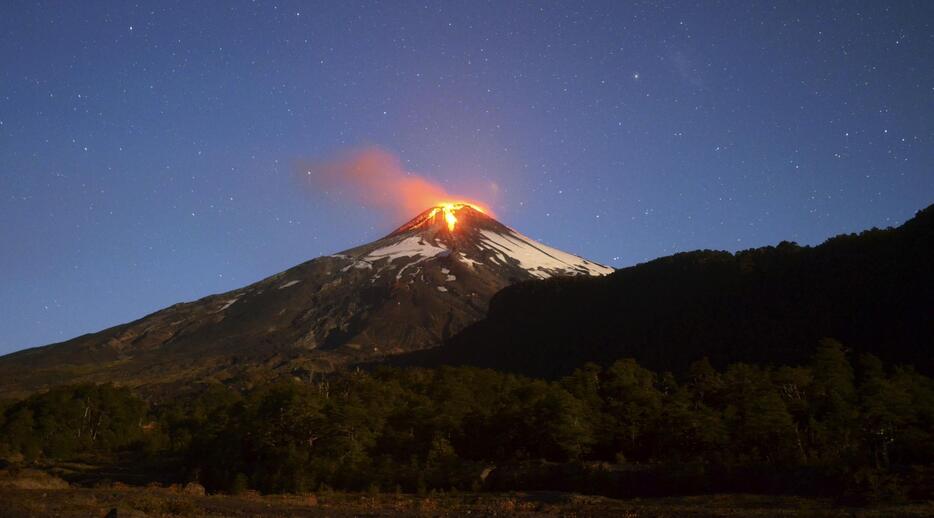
149, 153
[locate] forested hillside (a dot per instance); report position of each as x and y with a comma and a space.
873, 291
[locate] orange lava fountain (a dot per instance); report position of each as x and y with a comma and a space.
449, 210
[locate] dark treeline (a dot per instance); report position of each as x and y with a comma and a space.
72, 420
840, 426
874, 291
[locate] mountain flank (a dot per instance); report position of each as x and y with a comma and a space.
408, 291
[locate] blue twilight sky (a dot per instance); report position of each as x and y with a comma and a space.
148, 150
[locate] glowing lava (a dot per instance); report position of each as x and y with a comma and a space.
449, 210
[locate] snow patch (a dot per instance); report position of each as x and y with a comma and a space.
358, 265
441, 288
289, 284
412, 246
450, 278
227, 304
470, 262
540, 260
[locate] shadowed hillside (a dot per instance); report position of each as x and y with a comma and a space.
873, 291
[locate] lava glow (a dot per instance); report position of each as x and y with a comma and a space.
449, 210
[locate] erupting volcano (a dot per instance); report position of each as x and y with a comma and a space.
446, 211
449, 210
409, 290
464, 232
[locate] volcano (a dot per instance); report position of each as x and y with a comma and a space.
408, 291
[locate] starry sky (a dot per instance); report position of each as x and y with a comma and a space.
148, 150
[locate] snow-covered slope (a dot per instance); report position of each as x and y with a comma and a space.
479, 241
540, 260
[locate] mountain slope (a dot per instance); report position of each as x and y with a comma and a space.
873, 291
407, 291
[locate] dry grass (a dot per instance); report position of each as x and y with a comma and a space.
30, 479
16, 501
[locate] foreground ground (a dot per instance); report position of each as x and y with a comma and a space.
38, 494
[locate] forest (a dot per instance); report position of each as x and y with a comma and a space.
841, 424
872, 291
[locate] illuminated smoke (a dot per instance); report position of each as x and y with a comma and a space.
375, 179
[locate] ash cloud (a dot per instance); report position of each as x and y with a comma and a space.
374, 178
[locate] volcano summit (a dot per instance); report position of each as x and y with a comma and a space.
410, 290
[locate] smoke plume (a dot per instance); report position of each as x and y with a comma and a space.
376, 179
